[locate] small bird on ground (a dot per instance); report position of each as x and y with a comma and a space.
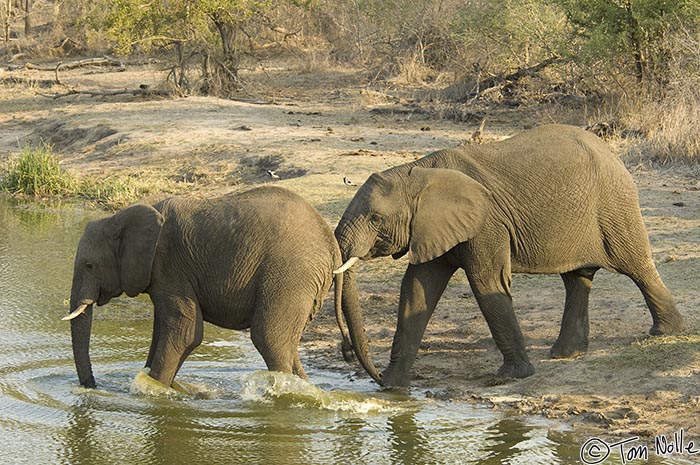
273, 175
348, 182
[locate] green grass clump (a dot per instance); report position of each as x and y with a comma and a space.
37, 172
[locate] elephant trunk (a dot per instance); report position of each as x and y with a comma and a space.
347, 233
353, 316
346, 344
80, 329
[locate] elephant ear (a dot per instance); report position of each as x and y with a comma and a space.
450, 209
137, 229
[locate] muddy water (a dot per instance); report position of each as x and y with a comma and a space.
235, 412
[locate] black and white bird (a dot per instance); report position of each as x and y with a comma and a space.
273, 175
348, 182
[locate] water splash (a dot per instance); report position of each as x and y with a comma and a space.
144, 385
284, 389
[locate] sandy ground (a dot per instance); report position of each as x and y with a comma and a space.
312, 131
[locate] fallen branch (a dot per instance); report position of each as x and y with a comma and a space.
103, 61
143, 91
492, 82
13, 81
16, 57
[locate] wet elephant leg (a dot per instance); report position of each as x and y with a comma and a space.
276, 328
573, 336
497, 309
154, 344
180, 330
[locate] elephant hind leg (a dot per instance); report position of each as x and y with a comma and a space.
630, 254
297, 368
276, 329
573, 336
665, 316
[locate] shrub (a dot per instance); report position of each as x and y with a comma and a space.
37, 172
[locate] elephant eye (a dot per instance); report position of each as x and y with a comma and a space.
89, 265
375, 219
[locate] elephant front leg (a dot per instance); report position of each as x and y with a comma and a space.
154, 345
493, 296
573, 336
421, 289
178, 330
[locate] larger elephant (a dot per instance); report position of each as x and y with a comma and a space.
553, 199
262, 259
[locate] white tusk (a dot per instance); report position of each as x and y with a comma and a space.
77, 312
346, 266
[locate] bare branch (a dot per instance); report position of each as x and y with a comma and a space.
102, 61
111, 93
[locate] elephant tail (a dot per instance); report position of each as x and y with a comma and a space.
345, 345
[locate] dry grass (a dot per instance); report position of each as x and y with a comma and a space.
672, 128
660, 353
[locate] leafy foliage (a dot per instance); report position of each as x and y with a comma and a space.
214, 30
633, 31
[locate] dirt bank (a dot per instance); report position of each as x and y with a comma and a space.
311, 132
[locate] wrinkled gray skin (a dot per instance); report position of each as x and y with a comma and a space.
262, 260
550, 200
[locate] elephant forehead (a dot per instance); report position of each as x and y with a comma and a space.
378, 189
93, 238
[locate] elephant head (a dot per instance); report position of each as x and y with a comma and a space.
115, 255
422, 212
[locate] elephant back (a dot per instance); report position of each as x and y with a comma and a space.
265, 231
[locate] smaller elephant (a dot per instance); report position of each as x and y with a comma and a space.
262, 259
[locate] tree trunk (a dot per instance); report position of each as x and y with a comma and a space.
6, 15
226, 69
635, 39
27, 17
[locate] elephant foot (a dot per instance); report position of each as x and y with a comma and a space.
347, 351
674, 324
396, 390
516, 370
392, 381
568, 350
